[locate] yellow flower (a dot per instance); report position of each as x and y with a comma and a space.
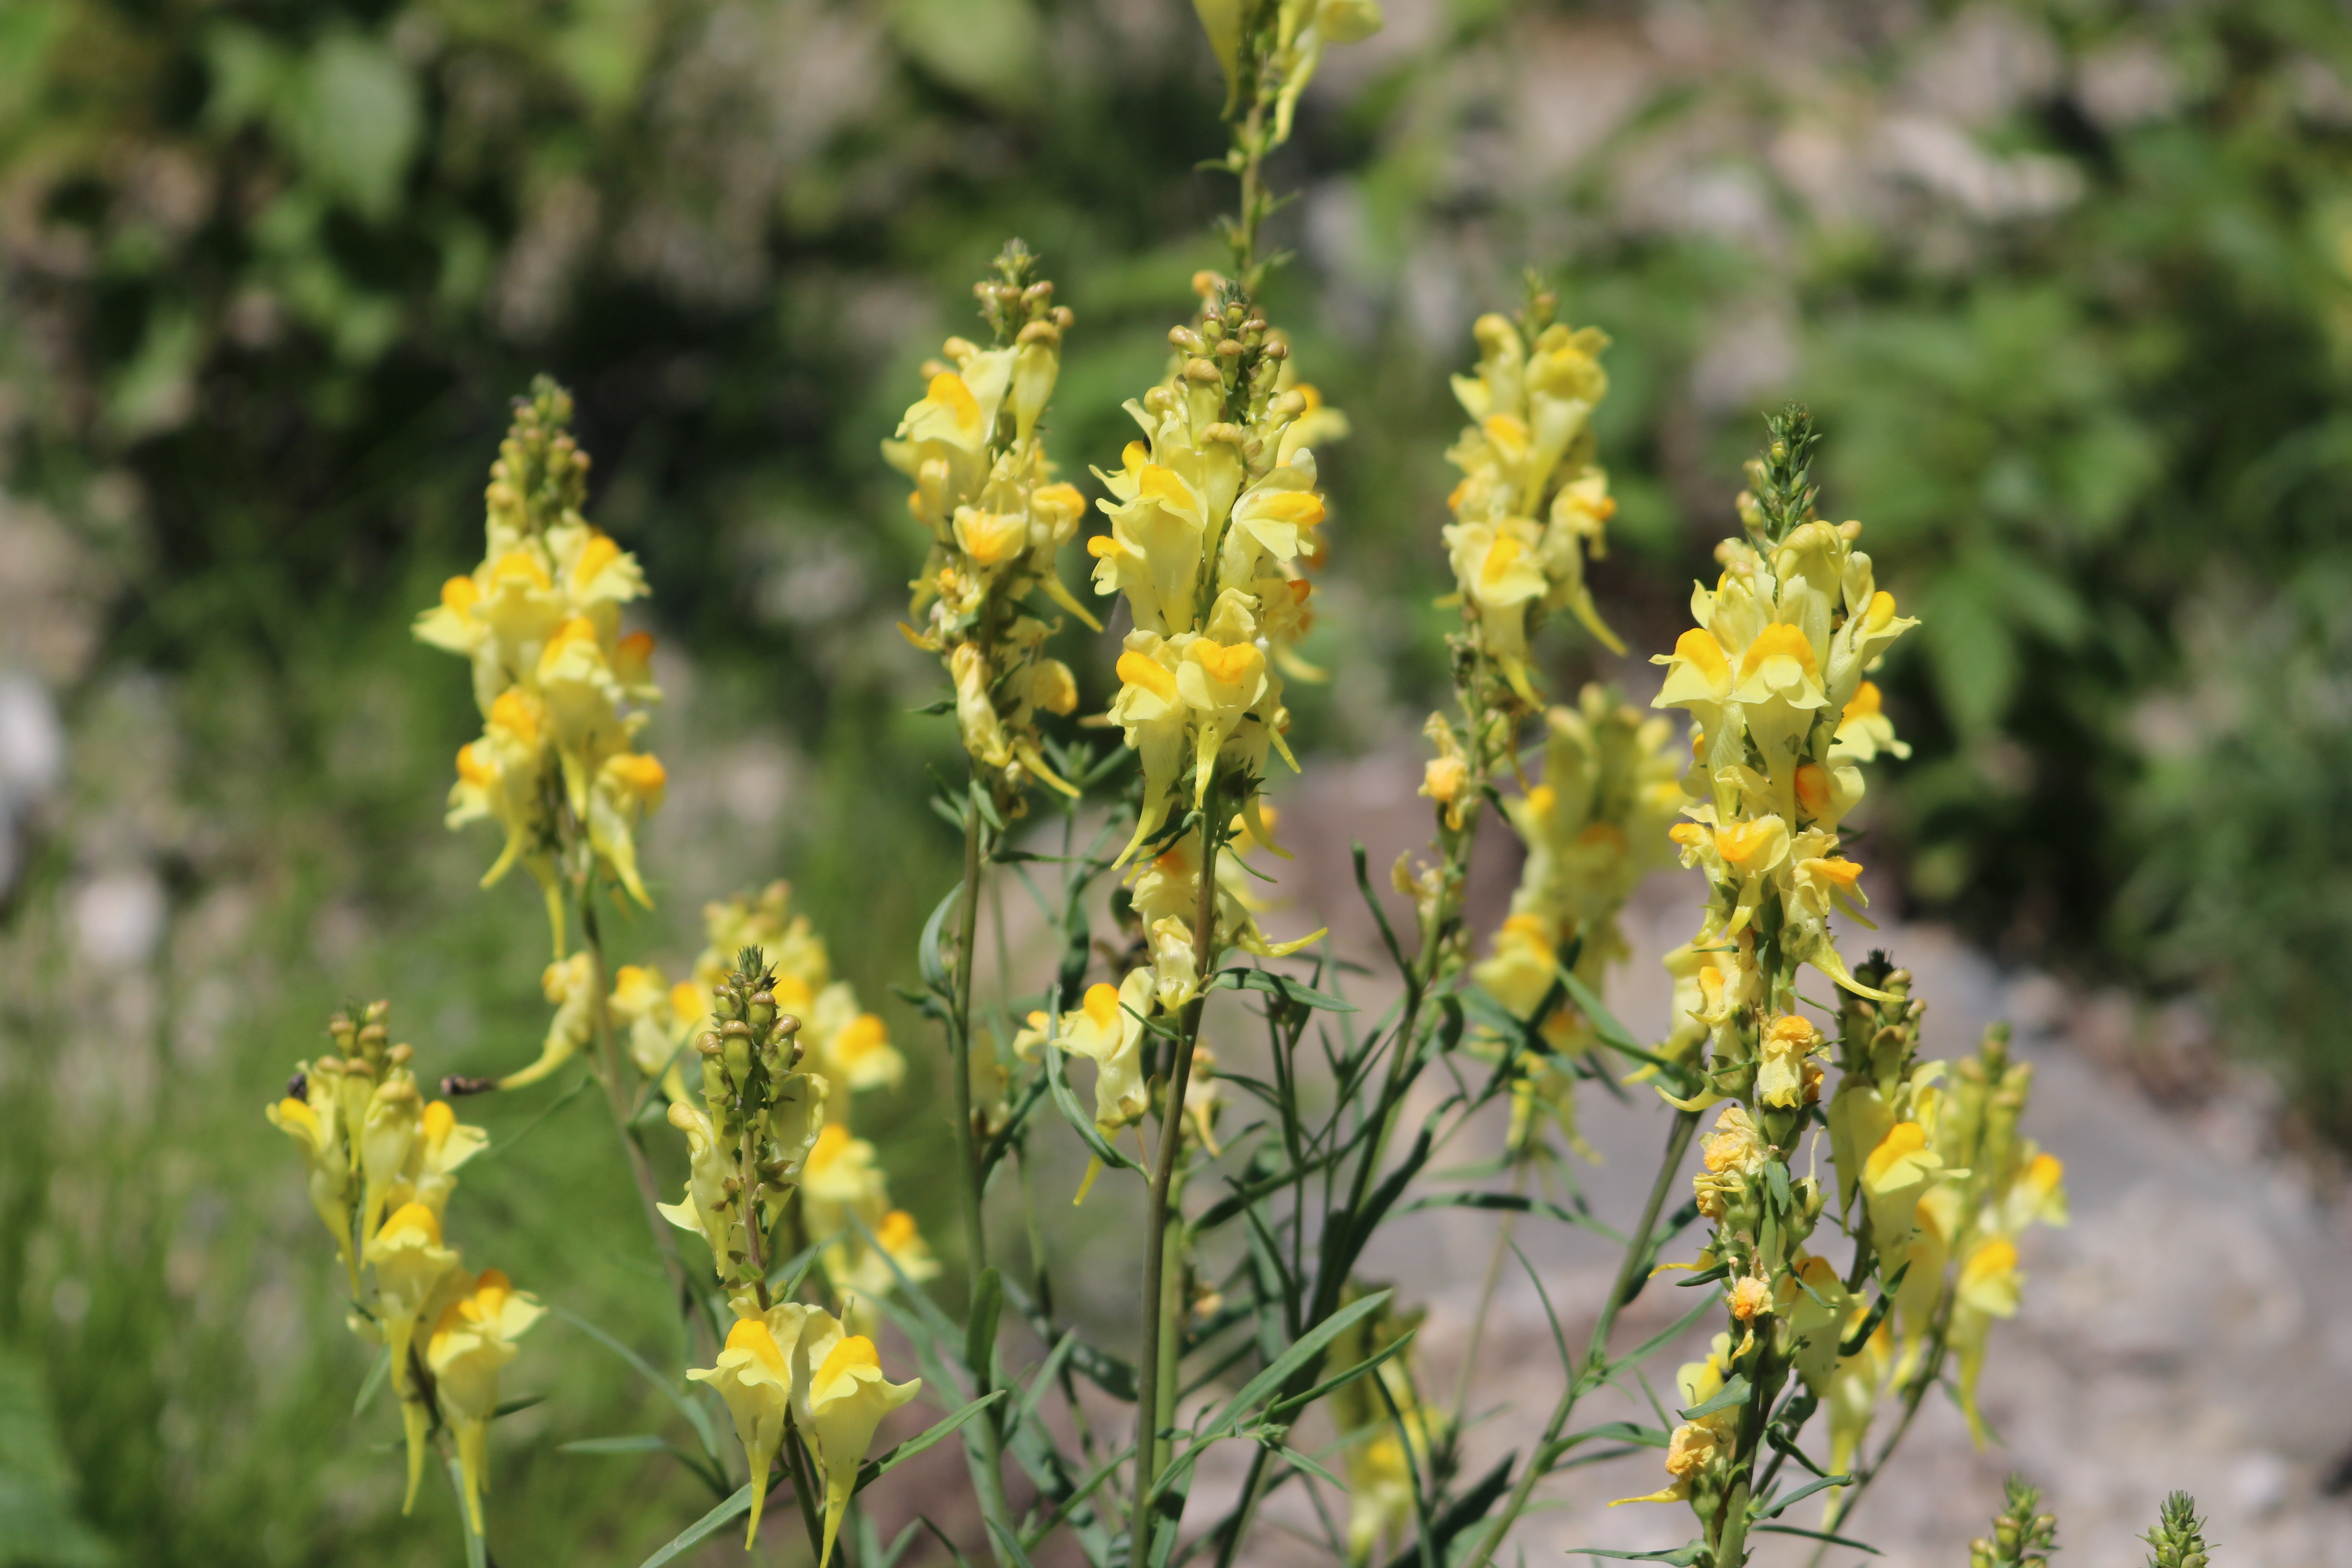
2038, 1193
473, 1340
1896, 1172
1524, 967
754, 1376
443, 1143
1987, 1289
315, 1125
1694, 1445
1780, 1076
570, 987
857, 1053
1107, 1028
845, 1398
1864, 728
410, 1263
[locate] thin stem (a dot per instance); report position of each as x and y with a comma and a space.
1486, 1297
803, 1487
975, 1240
1156, 1327
608, 1069
1628, 1274
984, 1443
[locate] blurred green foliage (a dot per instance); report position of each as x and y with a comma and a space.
2070, 282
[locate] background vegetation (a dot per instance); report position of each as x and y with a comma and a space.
2070, 282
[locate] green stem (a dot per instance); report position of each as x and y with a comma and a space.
1629, 1275
608, 1071
984, 1439
1159, 1325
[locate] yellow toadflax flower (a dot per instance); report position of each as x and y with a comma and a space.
754, 1376
997, 520
561, 689
472, 1341
1532, 505
840, 1397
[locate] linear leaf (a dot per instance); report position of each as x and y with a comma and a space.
1780, 1505
1819, 1535
687, 1408
702, 1528
1735, 1392
873, 1471
1280, 985
375, 1380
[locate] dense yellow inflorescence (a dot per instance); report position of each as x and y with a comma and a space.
561, 689
997, 520
1931, 1182
381, 1163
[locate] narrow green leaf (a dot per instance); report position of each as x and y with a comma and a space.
512, 1407
1819, 1535
873, 1471
1775, 1178
1854, 1342
1616, 1431
1016, 1557
1280, 985
936, 706
376, 1379
1282, 1407
1297, 1460
1309, 1346
702, 1528
1664, 1336
934, 963
1511, 1203
1777, 1507
1682, 1556
980, 1332
677, 1395
1731, 1394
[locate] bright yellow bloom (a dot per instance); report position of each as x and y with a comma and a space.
472, 1341
1788, 1042
1107, 1028
561, 688
845, 1398
1532, 502
411, 1265
1893, 1178
754, 1376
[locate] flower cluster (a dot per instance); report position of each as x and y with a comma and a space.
1946, 1185
760, 1135
749, 1141
997, 518
1213, 516
1593, 828
1930, 1182
381, 1162
561, 691
845, 1194
1533, 502
790, 1365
